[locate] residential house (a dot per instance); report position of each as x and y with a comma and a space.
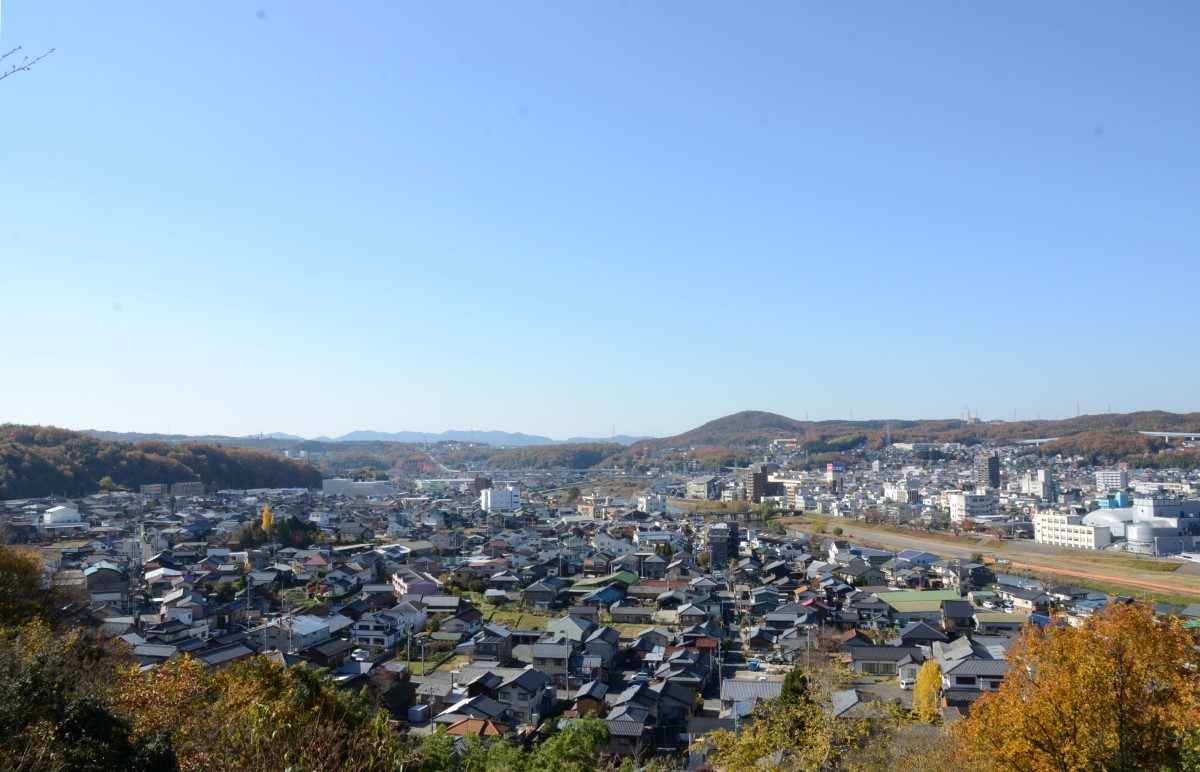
972, 673
553, 659
589, 699
376, 629
410, 582
629, 731
958, 617
545, 593
292, 633
493, 644
625, 613
921, 634
881, 660
573, 628
858, 573
467, 622
605, 643
529, 696
738, 697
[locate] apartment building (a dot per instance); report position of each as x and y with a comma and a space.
968, 506
987, 471
1112, 480
499, 499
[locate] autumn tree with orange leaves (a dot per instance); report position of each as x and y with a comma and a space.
1118, 693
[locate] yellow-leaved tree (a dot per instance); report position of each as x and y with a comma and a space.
26, 594
1121, 692
927, 693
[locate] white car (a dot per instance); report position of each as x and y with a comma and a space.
907, 683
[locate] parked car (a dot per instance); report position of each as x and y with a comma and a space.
907, 683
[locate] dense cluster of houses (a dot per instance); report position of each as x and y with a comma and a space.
666, 626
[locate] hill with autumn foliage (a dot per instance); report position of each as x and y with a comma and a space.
1097, 438
38, 461
756, 427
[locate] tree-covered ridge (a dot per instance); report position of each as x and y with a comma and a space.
757, 427
583, 456
39, 461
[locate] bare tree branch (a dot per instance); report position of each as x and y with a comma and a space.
19, 66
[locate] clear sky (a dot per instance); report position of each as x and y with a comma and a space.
560, 217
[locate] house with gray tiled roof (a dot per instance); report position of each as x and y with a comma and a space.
528, 695
553, 659
739, 696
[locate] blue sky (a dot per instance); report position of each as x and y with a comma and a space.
557, 218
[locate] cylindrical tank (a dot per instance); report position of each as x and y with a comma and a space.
1141, 532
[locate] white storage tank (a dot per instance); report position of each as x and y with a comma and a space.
1141, 533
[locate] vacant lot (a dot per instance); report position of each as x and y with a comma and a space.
518, 619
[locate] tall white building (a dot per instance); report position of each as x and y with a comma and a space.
500, 499
1112, 480
1069, 531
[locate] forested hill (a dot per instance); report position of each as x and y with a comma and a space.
756, 427
582, 456
39, 461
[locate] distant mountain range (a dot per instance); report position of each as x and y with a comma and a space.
496, 438
512, 439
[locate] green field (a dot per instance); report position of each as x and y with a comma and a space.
1138, 564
